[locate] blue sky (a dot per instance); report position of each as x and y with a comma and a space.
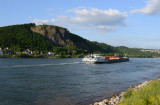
131, 23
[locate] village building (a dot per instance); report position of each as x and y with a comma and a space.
50, 54
1, 52
7, 51
27, 51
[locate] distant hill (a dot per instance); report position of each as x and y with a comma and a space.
60, 40
136, 52
47, 38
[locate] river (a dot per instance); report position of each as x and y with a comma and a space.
42, 81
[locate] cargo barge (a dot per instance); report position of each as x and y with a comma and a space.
97, 58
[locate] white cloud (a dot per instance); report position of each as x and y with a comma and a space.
98, 17
30, 17
105, 28
102, 20
152, 8
40, 22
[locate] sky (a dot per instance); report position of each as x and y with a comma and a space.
131, 23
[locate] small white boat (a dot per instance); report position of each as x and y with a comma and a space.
94, 58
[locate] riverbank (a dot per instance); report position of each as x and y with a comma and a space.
147, 92
42, 56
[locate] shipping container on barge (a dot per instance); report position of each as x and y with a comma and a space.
98, 58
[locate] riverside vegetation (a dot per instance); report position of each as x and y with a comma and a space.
146, 93
46, 38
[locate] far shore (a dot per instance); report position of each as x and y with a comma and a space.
37, 56
42, 56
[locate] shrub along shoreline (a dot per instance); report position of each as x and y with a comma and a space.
146, 93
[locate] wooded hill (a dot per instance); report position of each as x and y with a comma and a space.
57, 39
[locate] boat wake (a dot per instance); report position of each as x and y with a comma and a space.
40, 65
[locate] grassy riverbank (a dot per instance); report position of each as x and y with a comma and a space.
148, 95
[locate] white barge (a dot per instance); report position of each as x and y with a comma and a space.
98, 58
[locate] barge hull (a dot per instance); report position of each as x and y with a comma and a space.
115, 60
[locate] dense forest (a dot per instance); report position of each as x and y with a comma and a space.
20, 37
58, 40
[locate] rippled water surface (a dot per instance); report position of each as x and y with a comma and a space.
69, 81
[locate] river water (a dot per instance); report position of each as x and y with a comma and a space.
69, 81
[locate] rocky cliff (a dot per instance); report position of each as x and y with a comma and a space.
56, 34
60, 36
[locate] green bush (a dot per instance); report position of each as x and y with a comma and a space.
127, 94
2, 56
24, 56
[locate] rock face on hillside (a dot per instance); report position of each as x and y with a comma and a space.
56, 34
46, 37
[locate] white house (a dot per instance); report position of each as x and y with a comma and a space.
1, 53
27, 51
50, 53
